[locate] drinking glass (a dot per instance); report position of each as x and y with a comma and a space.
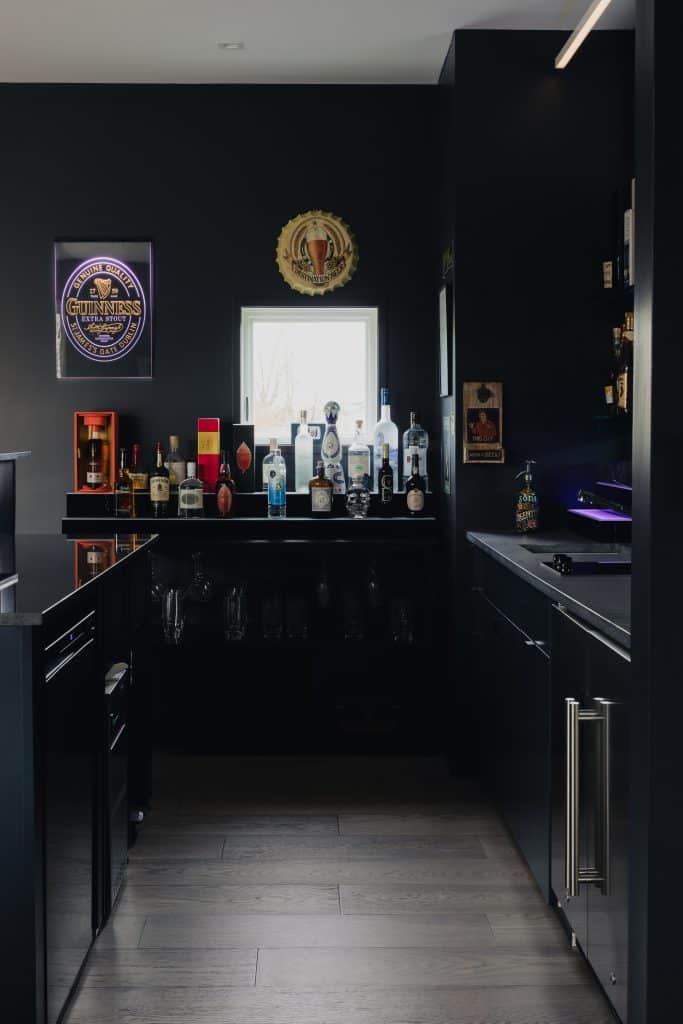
271, 617
173, 615
235, 618
201, 587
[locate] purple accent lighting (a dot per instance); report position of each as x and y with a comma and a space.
601, 515
609, 483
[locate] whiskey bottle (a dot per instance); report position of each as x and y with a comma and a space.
123, 492
320, 489
415, 437
139, 476
415, 487
175, 463
191, 495
303, 454
386, 431
95, 470
386, 479
159, 485
225, 489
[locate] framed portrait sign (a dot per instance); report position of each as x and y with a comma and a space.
103, 310
482, 427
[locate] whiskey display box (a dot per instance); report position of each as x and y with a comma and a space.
243, 457
100, 429
208, 450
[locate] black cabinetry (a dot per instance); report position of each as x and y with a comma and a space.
513, 680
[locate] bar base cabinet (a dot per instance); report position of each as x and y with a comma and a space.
590, 726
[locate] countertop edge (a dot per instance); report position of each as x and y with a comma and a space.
611, 629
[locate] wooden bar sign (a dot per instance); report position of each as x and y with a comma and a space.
482, 428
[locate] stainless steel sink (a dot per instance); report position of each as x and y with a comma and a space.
572, 547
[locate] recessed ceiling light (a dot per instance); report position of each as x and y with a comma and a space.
231, 46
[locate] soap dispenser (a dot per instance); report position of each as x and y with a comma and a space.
526, 507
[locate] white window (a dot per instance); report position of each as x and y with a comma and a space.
293, 359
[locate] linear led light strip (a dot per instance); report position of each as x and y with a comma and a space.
588, 22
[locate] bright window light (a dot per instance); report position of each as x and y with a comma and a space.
295, 359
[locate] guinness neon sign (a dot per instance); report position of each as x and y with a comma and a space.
103, 309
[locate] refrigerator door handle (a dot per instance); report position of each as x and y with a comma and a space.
574, 874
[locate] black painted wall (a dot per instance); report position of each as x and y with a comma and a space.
530, 175
210, 174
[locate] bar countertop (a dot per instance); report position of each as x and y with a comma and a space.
604, 602
40, 571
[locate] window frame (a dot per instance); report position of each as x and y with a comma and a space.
369, 315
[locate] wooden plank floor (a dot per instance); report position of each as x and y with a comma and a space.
329, 891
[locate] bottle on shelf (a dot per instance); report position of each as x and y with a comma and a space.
123, 492
624, 373
268, 462
95, 473
225, 489
386, 478
175, 463
611, 388
526, 509
320, 489
415, 438
191, 495
303, 454
358, 460
277, 486
331, 449
358, 497
386, 431
415, 486
139, 476
159, 485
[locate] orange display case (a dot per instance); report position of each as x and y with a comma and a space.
110, 439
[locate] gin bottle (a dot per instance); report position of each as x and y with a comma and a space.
415, 439
268, 462
277, 486
386, 432
359, 454
331, 450
303, 454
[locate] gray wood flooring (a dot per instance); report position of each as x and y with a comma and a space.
328, 891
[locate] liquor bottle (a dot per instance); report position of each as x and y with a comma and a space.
526, 509
612, 387
159, 485
139, 476
385, 432
386, 478
268, 462
191, 495
277, 486
358, 460
415, 487
331, 449
225, 489
303, 454
320, 489
175, 463
624, 375
123, 493
95, 476
358, 497
415, 437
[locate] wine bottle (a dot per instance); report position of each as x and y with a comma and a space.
159, 485
415, 487
386, 478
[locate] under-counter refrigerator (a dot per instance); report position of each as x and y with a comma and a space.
590, 795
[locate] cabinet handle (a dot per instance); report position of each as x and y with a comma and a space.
575, 876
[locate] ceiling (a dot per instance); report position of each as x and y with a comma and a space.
285, 41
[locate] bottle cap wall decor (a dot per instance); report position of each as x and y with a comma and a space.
316, 253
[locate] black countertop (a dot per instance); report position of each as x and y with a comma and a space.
42, 570
604, 602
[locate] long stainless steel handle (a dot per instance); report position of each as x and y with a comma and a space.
615, 648
574, 874
571, 817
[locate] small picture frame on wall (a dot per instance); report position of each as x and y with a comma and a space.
445, 338
103, 310
482, 428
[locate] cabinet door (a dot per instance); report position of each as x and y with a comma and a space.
518, 728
